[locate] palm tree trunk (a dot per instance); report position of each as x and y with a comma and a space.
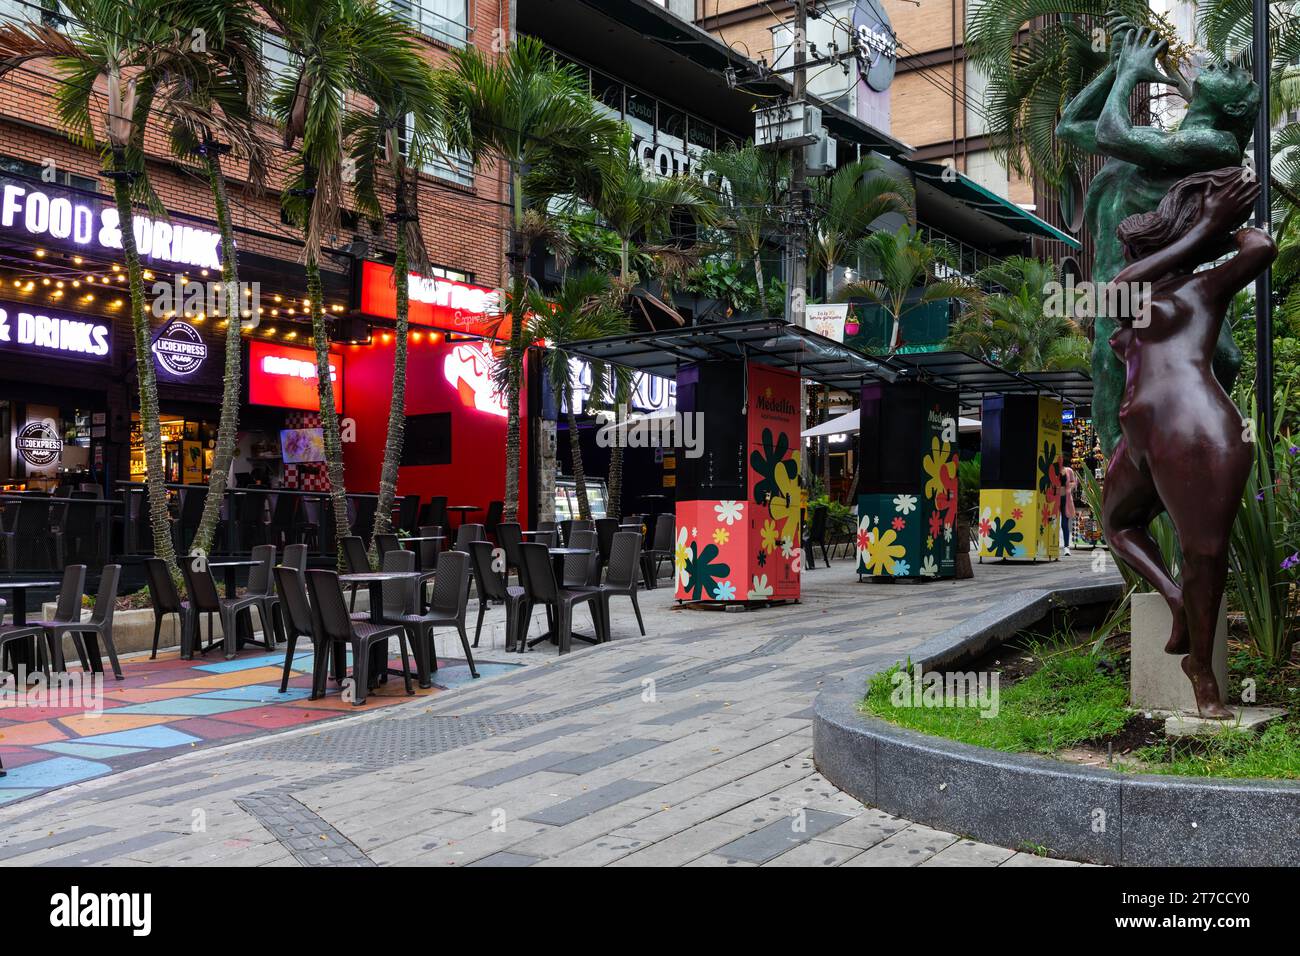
228, 427
614, 504
762, 291
150, 426
329, 418
397, 403
575, 452
515, 350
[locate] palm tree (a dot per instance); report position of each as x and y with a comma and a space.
528, 112
405, 108
906, 266
120, 64
586, 306
224, 110
750, 184
846, 203
639, 207
1019, 329
339, 46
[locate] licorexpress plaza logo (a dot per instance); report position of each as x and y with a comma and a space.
180, 349
38, 443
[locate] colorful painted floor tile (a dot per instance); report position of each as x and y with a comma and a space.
167, 706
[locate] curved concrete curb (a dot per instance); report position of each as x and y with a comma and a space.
1085, 813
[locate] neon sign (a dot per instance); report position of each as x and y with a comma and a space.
287, 377
38, 443
24, 328
467, 368
65, 218
179, 349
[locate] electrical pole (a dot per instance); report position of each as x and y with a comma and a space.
797, 281
1263, 220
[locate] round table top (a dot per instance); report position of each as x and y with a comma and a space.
27, 585
552, 531
424, 537
464, 508
233, 564
564, 551
376, 577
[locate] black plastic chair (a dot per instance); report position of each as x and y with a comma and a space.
408, 512
356, 560
165, 599
582, 570
385, 542
295, 556
363, 523
33, 533
570, 525
292, 586
509, 537
204, 599
816, 535
495, 511
192, 501
87, 635
466, 534
280, 529
548, 533
606, 528
80, 527
542, 589
620, 579
250, 519
332, 626
491, 587
446, 609
660, 550
261, 585
398, 596
435, 512
67, 610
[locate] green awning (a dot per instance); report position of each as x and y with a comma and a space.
971, 193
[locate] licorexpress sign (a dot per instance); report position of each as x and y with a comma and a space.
39, 331
67, 219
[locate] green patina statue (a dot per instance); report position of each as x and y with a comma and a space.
1143, 162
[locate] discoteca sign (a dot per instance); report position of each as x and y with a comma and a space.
38, 443
69, 220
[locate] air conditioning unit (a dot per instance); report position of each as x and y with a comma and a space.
787, 125
819, 157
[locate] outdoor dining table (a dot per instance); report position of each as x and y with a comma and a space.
374, 581
557, 558
464, 510
23, 652
229, 573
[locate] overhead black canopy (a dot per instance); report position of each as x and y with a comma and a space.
777, 343
772, 341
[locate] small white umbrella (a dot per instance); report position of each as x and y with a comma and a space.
850, 423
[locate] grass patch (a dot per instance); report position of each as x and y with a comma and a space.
1070, 698
1275, 753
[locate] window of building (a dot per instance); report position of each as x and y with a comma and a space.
446, 21
277, 63
454, 166
22, 168
46, 12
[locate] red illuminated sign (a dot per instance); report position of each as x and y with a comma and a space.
435, 303
286, 377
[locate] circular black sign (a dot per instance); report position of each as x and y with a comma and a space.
180, 349
39, 444
876, 43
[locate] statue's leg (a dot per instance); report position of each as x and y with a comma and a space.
1107, 386
1129, 506
1227, 357
1203, 579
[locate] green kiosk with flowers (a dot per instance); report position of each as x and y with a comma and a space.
907, 500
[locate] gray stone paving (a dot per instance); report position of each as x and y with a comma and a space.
690, 747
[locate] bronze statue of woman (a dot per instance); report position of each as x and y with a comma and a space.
1185, 449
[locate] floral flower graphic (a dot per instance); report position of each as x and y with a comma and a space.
905, 504
1017, 513
680, 554
767, 463
901, 569
721, 536
784, 505
936, 523
1004, 539
787, 548
864, 539
883, 552
899, 524
701, 572
728, 511
761, 589
762, 558
1023, 498
725, 591
768, 536
929, 569
939, 464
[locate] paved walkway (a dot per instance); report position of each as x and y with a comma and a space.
689, 747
